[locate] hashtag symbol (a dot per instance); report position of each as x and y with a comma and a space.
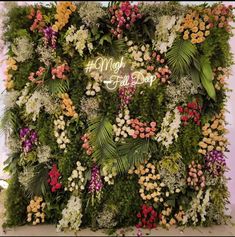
90, 66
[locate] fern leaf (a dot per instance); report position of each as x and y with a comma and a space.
180, 55
8, 121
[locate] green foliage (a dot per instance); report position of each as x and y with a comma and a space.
9, 121
133, 153
180, 55
101, 138
15, 204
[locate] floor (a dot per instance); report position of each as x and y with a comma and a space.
50, 230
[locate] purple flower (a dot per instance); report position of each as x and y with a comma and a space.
215, 162
24, 132
96, 183
50, 36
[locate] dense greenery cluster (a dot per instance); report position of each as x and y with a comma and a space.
47, 86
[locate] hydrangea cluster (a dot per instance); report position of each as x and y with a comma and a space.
123, 17
86, 144
80, 39
47, 54
196, 178
122, 128
191, 111
178, 94
11, 65
54, 176
63, 12
60, 133
94, 86
215, 163
95, 184
38, 21
71, 215
60, 71
147, 217
90, 12
43, 153
22, 48
28, 138
198, 208
169, 128
142, 129
35, 210
213, 133
37, 77
76, 180
166, 32
172, 170
107, 217
67, 106
90, 106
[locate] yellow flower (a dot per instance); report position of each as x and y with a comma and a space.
185, 37
200, 33
193, 41
207, 32
195, 29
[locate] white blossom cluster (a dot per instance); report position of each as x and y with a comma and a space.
23, 49
93, 86
60, 133
26, 176
9, 98
107, 218
76, 179
169, 128
47, 54
43, 153
38, 100
138, 54
22, 100
79, 38
109, 174
122, 129
90, 12
178, 93
199, 206
166, 32
71, 215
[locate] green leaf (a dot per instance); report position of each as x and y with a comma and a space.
208, 85
180, 55
57, 86
101, 139
195, 76
132, 153
206, 76
106, 38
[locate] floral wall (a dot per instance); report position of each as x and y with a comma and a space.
142, 107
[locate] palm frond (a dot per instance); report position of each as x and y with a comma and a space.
180, 55
37, 185
132, 153
101, 138
57, 86
8, 121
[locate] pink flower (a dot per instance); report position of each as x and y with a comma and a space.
153, 124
